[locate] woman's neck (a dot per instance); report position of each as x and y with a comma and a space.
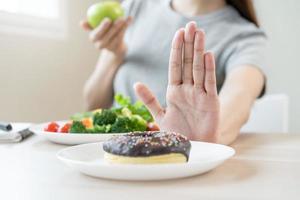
192, 8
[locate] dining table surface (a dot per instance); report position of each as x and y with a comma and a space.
265, 166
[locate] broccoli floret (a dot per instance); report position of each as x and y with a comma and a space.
139, 123
105, 117
122, 125
108, 128
126, 112
138, 108
77, 127
97, 129
122, 101
100, 129
117, 110
125, 124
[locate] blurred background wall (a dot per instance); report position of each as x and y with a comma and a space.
41, 78
280, 20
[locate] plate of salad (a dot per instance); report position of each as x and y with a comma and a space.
100, 124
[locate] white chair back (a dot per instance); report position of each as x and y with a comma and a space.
269, 115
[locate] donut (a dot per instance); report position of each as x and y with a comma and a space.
147, 148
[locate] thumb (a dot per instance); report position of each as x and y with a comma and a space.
85, 25
150, 101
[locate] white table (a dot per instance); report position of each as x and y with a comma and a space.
265, 167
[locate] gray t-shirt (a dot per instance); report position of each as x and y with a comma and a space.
234, 41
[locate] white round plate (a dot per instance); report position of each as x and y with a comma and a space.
88, 159
70, 138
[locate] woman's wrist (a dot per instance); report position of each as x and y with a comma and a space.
111, 60
103, 75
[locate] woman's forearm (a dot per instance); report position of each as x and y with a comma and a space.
98, 90
237, 96
235, 111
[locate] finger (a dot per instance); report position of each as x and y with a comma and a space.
175, 63
189, 37
115, 29
85, 25
101, 30
117, 40
198, 65
129, 20
150, 101
210, 74
98, 45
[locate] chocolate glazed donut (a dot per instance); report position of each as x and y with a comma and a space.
147, 144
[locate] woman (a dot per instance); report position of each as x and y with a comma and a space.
188, 90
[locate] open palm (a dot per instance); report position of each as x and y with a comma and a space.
192, 99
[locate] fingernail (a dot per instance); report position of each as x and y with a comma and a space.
135, 85
129, 20
211, 53
202, 30
181, 30
178, 32
200, 33
192, 23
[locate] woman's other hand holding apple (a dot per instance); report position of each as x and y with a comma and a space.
109, 35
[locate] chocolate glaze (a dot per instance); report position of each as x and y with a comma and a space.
143, 144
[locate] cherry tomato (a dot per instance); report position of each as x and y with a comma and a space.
65, 128
52, 127
152, 126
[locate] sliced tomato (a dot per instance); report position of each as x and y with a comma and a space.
65, 128
152, 126
52, 127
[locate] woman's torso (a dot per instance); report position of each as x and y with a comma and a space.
149, 40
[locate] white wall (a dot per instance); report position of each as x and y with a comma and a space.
281, 21
42, 79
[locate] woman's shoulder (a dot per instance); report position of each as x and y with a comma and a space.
240, 27
133, 7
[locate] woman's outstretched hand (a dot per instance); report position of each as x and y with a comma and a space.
193, 106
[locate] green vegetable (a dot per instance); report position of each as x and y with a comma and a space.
139, 123
77, 127
140, 109
125, 124
122, 125
126, 112
127, 117
108, 128
80, 116
117, 110
137, 109
122, 101
100, 129
105, 117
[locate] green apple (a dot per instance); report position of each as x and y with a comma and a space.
105, 9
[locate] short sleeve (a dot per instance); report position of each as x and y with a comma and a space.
249, 49
131, 7
127, 5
